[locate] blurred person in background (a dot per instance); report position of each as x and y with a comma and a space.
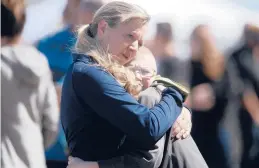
162, 46
29, 108
246, 64
206, 69
57, 49
254, 110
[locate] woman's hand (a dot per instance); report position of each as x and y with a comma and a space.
183, 125
202, 97
74, 162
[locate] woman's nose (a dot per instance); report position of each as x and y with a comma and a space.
133, 49
134, 46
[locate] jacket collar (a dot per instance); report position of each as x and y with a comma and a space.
83, 58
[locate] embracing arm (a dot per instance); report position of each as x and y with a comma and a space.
144, 126
149, 98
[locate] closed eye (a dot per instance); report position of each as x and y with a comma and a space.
131, 37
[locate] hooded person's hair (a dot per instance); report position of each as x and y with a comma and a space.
12, 18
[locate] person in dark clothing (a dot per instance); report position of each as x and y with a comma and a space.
245, 120
245, 63
162, 47
207, 101
95, 104
254, 105
173, 68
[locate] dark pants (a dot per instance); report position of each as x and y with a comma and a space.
246, 125
56, 164
205, 135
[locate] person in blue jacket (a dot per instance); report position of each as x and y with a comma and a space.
57, 49
97, 110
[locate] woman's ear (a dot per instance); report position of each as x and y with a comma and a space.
102, 25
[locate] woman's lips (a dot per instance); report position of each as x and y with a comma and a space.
125, 56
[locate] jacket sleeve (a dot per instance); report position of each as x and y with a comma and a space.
149, 98
110, 101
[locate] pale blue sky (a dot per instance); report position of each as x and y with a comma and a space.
250, 4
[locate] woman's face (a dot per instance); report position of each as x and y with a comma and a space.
195, 48
198, 38
124, 40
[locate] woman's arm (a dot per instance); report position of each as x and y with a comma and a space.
251, 103
150, 97
103, 94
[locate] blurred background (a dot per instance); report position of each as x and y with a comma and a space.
211, 47
226, 18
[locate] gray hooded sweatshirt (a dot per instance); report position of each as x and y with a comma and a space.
30, 113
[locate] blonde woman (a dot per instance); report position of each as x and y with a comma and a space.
183, 153
207, 102
99, 110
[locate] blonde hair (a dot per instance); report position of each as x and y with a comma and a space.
114, 13
211, 58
